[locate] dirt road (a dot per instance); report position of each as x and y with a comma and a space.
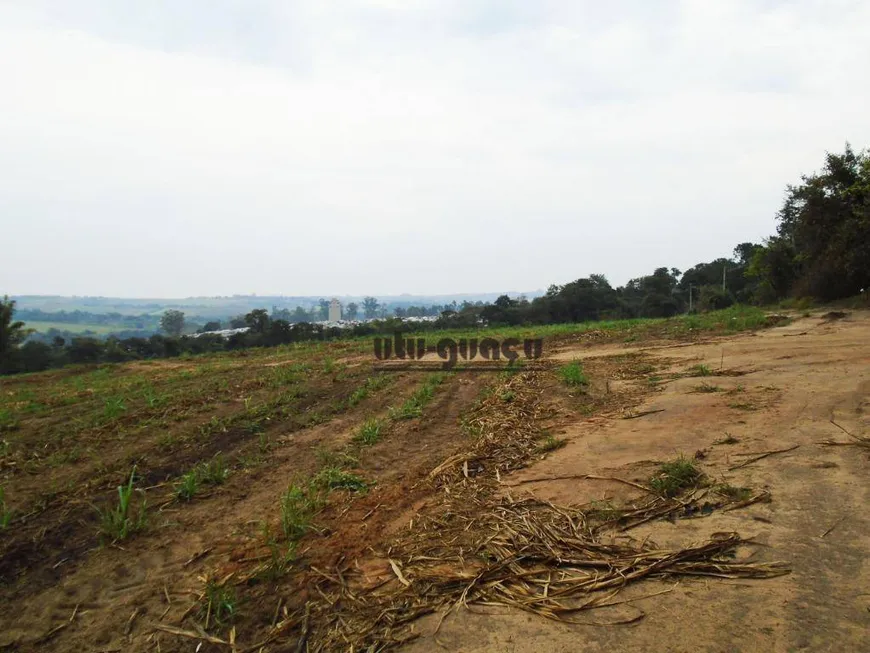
774, 390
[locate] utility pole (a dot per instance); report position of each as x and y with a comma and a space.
690, 298
723, 276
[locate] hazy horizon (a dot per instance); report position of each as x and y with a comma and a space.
175, 150
512, 293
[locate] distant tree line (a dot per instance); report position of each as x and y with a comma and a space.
664, 293
20, 355
821, 250
130, 322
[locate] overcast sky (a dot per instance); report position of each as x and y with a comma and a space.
209, 147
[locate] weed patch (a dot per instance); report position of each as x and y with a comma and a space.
551, 443
213, 472
5, 512
119, 523
281, 556
675, 476
369, 433
413, 406
334, 478
298, 505
218, 604
371, 385
572, 374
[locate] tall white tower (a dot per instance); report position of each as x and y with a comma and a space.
334, 310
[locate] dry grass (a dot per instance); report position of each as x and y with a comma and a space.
856, 441
482, 547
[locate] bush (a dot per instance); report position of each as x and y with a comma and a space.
573, 375
714, 298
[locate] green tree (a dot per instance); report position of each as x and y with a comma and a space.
300, 315
211, 326
12, 333
258, 320
776, 267
713, 298
351, 311
323, 309
825, 221
370, 307
172, 322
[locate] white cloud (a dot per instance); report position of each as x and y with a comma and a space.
381, 147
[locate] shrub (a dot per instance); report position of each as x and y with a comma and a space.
572, 374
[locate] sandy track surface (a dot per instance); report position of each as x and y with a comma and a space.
774, 390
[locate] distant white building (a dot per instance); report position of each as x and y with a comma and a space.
334, 310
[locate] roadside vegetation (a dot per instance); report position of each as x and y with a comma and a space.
572, 374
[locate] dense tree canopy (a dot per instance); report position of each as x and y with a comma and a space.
822, 245
172, 322
12, 333
370, 307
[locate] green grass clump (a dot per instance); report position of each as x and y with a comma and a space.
369, 386
152, 399
329, 458
187, 487
7, 421
700, 370
281, 556
114, 407
5, 512
675, 476
219, 604
335, 478
706, 388
357, 396
213, 472
572, 374
551, 443
413, 406
298, 505
119, 523
369, 433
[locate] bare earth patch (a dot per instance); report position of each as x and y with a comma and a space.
799, 378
